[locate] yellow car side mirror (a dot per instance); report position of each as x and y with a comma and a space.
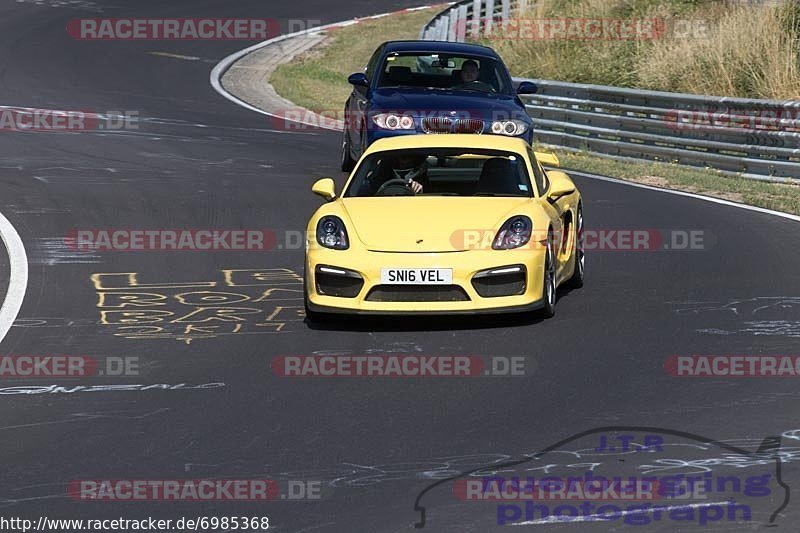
548, 159
560, 185
325, 188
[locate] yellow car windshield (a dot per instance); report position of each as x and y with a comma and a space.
441, 172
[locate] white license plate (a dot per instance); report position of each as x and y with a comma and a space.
417, 276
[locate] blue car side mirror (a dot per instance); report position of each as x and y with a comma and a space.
527, 87
359, 79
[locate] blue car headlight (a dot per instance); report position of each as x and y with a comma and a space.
393, 121
510, 128
331, 233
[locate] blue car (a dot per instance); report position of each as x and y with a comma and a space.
433, 87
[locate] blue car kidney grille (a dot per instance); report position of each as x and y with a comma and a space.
437, 125
468, 125
448, 125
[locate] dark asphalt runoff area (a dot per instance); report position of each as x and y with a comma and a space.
206, 403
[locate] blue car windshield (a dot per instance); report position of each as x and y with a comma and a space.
440, 71
441, 172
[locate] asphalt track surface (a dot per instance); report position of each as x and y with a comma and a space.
199, 161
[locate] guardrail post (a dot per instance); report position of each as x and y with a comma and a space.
461, 24
489, 17
441, 31
451, 31
475, 26
505, 13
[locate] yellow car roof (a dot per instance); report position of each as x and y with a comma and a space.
455, 140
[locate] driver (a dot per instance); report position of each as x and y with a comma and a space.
470, 77
411, 168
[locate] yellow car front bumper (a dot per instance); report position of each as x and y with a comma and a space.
462, 297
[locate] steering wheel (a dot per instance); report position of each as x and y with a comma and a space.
478, 85
394, 187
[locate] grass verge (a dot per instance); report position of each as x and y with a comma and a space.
745, 49
776, 196
317, 80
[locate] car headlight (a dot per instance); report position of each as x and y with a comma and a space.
331, 233
393, 121
514, 233
510, 128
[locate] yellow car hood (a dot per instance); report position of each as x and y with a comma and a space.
427, 224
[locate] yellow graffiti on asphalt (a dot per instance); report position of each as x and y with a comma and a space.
241, 302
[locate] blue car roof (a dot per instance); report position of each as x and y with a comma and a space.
440, 46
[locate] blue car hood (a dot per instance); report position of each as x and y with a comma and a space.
436, 101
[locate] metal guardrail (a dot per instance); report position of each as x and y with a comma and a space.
758, 139
459, 21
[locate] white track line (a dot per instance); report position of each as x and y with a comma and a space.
18, 278
219, 70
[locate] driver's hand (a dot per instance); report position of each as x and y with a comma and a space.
415, 186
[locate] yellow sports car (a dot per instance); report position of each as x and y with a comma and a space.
444, 224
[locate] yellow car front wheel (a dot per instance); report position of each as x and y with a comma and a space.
549, 282
576, 281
